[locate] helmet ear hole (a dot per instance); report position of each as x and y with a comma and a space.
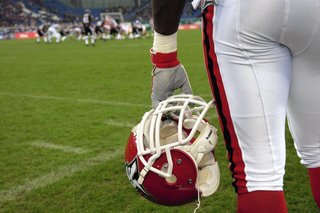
172, 179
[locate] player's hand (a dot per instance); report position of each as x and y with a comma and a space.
166, 80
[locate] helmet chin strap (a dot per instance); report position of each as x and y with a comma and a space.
151, 160
199, 197
143, 173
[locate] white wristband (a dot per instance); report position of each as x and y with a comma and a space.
164, 43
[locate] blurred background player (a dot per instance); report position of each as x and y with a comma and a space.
138, 29
64, 32
76, 31
87, 21
112, 28
42, 33
99, 30
54, 32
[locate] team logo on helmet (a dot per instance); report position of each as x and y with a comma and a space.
133, 176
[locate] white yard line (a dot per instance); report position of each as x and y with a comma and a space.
63, 148
54, 98
57, 175
112, 122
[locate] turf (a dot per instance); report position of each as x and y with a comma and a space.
87, 98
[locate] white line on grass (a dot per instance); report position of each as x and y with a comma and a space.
63, 148
112, 122
45, 97
57, 175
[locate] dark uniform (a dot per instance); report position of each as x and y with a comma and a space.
98, 29
86, 21
42, 30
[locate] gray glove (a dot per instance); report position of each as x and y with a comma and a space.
166, 80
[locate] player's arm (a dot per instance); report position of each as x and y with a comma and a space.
168, 74
166, 15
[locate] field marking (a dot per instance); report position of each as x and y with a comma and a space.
63, 148
45, 97
57, 175
112, 122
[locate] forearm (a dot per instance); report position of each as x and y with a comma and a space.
166, 15
168, 74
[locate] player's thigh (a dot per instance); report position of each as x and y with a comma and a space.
304, 107
255, 74
304, 101
257, 93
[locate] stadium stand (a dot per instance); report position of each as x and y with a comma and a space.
22, 14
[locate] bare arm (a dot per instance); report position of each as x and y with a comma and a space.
166, 15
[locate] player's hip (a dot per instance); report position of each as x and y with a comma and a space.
259, 23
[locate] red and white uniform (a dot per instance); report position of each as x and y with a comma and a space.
110, 23
264, 67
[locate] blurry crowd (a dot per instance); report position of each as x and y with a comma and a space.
12, 13
31, 12
28, 15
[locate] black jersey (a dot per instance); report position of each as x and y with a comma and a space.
87, 19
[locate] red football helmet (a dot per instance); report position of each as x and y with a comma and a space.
169, 155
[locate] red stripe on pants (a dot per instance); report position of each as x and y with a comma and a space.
217, 88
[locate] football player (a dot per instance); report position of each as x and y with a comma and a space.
64, 32
99, 30
87, 32
263, 65
138, 30
42, 33
112, 28
54, 32
76, 31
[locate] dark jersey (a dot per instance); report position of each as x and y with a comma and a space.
42, 30
86, 21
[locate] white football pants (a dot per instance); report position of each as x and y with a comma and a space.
263, 63
53, 33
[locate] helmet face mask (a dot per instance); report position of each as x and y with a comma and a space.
169, 156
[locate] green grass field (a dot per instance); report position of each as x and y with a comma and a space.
66, 112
